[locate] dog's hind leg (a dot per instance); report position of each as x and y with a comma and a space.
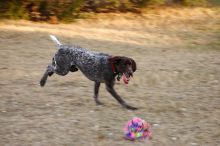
49, 72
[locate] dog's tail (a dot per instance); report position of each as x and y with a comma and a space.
55, 40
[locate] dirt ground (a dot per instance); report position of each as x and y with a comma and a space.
176, 86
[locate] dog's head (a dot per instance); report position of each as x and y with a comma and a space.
124, 66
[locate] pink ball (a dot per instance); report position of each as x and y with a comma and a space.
137, 128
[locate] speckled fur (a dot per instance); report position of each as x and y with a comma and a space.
95, 66
91, 64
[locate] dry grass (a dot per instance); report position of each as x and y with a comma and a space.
176, 85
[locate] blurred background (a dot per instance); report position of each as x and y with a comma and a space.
175, 43
67, 10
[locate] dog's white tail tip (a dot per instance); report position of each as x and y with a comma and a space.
54, 39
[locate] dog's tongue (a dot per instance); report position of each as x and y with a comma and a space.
125, 79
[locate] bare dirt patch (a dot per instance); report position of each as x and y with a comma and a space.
176, 86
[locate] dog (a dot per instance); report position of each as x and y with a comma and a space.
97, 67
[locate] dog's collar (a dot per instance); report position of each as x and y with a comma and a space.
115, 72
113, 67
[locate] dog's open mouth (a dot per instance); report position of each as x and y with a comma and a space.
126, 78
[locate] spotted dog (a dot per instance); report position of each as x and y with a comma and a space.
97, 67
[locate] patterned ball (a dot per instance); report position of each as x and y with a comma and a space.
137, 128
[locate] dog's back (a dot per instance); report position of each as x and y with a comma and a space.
91, 64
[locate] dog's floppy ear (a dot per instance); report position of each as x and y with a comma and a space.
115, 60
134, 67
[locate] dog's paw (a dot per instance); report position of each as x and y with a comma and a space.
42, 83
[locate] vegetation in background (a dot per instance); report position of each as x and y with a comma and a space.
12, 10
194, 2
68, 10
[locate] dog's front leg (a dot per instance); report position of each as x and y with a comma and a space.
110, 89
96, 93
